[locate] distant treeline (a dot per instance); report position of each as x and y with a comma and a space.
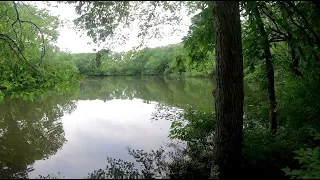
168, 60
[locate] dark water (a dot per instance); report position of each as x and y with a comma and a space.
73, 133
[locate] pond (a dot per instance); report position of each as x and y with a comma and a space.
73, 133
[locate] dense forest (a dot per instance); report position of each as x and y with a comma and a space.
263, 56
168, 60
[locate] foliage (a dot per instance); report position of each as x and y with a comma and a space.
168, 60
118, 169
150, 17
194, 126
309, 158
200, 41
153, 165
50, 176
32, 130
28, 63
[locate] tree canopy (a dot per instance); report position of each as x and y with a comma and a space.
280, 49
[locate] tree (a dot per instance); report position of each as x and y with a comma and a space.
98, 59
27, 37
268, 68
31, 131
103, 21
229, 93
200, 38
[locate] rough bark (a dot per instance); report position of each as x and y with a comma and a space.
229, 95
269, 70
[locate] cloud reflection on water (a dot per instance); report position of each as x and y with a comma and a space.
98, 129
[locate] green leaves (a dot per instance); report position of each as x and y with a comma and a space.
193, 125
149, 61
200, 39
104, 20
1, 96
310, 161
29, 71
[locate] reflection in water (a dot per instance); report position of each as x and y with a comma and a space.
30, 131
99, 129
102, 119
171, 91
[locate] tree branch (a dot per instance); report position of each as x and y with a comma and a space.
279, 33
17, 45
274, 22
18, 20
12, 44
276, 40
42, 37
296, 24
305, 21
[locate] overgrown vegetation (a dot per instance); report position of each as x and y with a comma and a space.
29, 63
280, 43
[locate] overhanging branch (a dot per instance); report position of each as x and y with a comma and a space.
274, 22
15, 48
305, 21
18, 20
297, 25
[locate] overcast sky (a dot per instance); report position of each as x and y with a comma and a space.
68, 38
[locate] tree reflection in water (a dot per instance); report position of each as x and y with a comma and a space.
31, 131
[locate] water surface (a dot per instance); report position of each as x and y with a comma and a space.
73, 133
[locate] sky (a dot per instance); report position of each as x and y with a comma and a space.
70, 41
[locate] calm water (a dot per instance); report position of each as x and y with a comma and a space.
73, 133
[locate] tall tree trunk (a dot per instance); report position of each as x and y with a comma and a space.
295, 59
269, 70
229, 95
292, 48
294, 56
